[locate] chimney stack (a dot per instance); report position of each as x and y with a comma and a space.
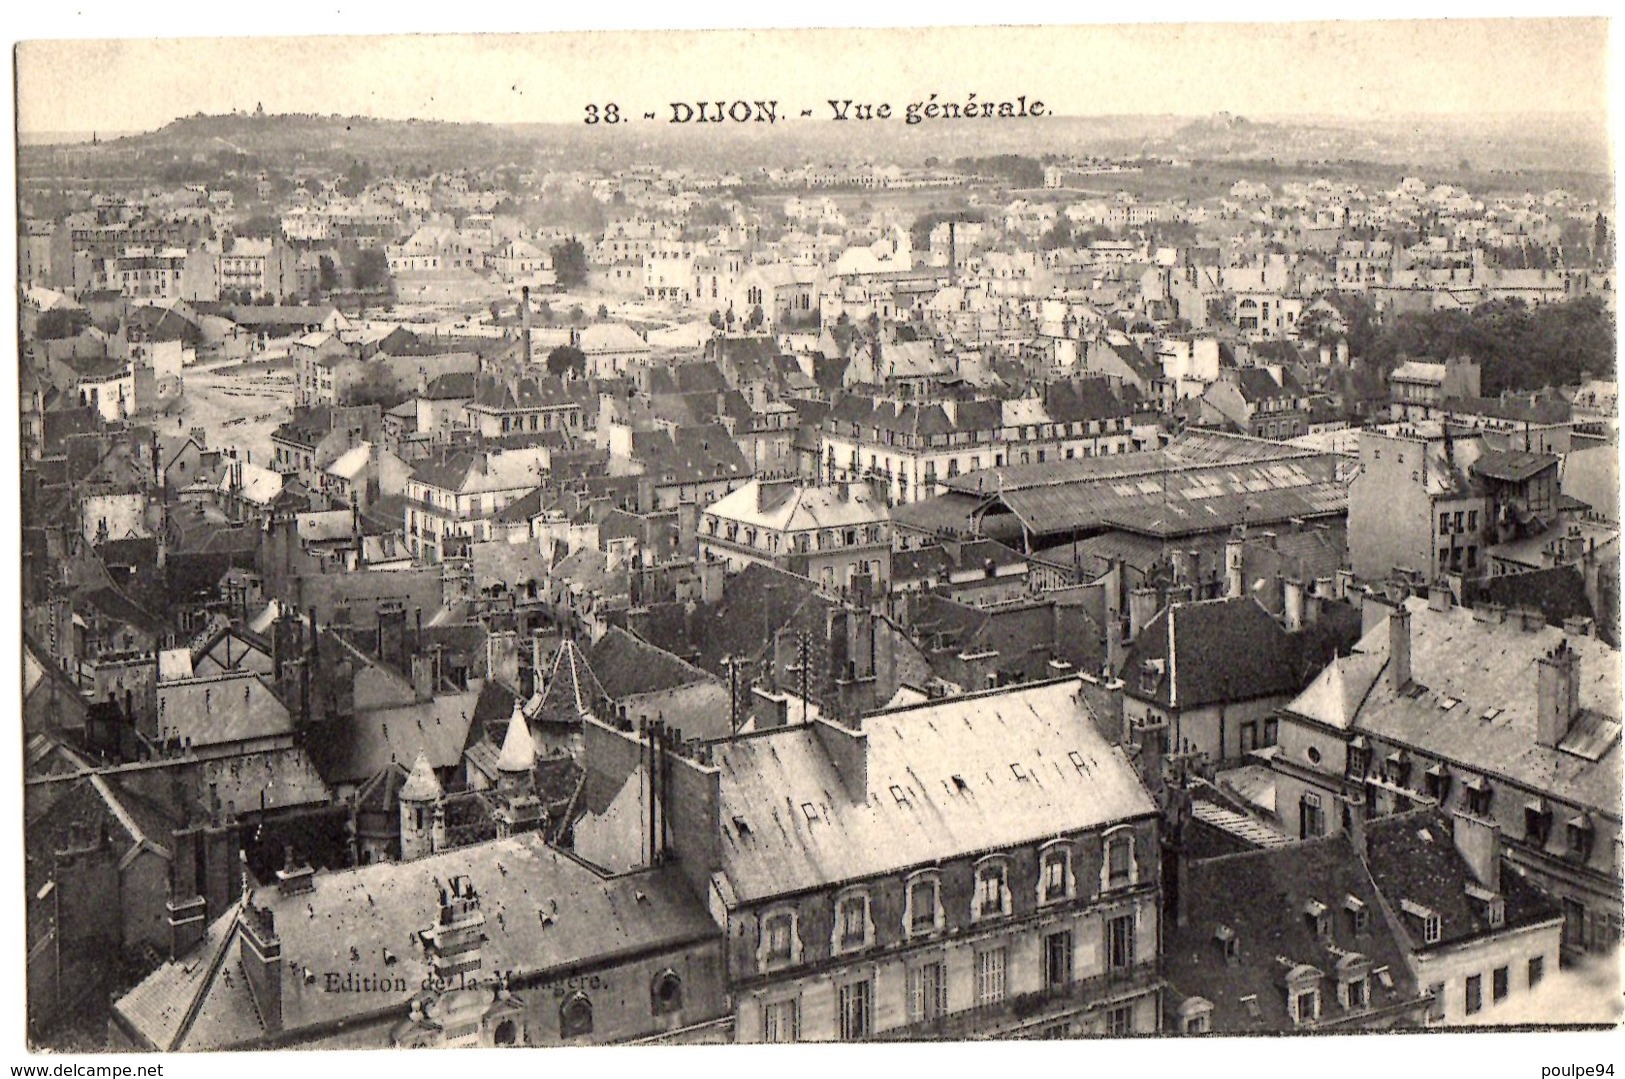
1478, 840
261, 956
1399, 647
1558, 694
524, 319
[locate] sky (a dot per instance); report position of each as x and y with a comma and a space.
1251, 68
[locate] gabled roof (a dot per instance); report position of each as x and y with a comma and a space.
1413, 859
944, 779
1212, 651
1273, 935
626, 666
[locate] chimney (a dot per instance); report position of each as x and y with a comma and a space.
1558, 694
261, 957
1439, 597
1292, 595
1399, 647
1233, 586
1142, 608
1478, 841
423, 677
186, 906
524, 320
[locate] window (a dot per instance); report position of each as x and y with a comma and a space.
781, 1021
857, 1010
1431, 929
666, 993
778, 938
927, 992
1537, 970
1356, 994
1120, 943
575, 1016
1119, 863
1311, 816
992, 890
990, 965
1120, 1021
1056, 875
924, 913
1058, 959
1358, 916
1306, 1006
1475, 993
851, 923
1537, 822
1198, 1023
1500, 980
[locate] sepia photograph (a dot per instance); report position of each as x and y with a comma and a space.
875, 534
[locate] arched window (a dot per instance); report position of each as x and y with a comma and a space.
575, 1016
666, 993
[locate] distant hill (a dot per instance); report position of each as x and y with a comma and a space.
1540, 143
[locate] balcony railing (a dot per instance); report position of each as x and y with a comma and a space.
1032, 1009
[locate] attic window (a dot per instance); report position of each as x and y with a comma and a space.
1314, 912
1250, 1002
1227, 942
1358, 916
898, 795
960, 784
1447, 703
809, 811
1017, 771
741, 827
1489, 714
1384, 977
1076, 758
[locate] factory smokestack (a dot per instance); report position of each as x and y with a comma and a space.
524, 319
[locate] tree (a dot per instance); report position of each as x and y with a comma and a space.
1059, 235
370, 271
716, 320
754, 322
496, 312
570, 263
577, 315
61, 322
544, 311
567, 359
603, 312
327, 274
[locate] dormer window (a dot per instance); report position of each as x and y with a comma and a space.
1356, 914
1438, 783
1319, 919
1118, 868
1432, 928
1229, 947
992, 897
853, 929
1537, 821
1306, 1006
1055, 875
778, 944
1581, 835
1478, 796
923, 906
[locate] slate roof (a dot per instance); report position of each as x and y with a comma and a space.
571, 690
239, 708
1559, 593
626, 666
1413, 858
805, 828
1487, 667
939, 560
1216, 650
203, 1002
1512, 466
1273, 934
